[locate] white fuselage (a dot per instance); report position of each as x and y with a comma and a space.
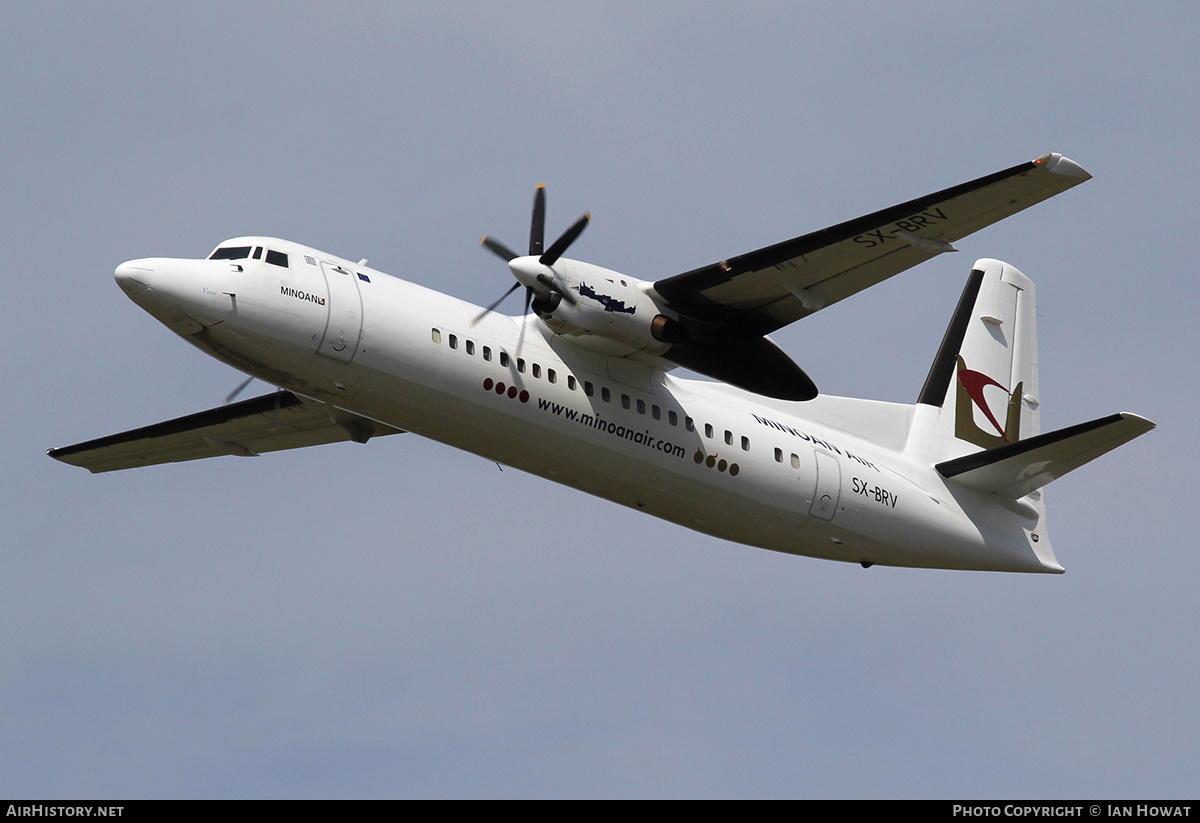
805, 478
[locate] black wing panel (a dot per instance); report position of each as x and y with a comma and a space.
272, 422
771, 287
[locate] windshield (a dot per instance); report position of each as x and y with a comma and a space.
230, 253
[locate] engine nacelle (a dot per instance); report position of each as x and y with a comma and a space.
613, 313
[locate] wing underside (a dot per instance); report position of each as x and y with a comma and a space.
273, 422
766, 289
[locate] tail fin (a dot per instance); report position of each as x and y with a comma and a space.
982, 394
978, 422
982, 390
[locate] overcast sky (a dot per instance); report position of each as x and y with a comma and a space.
402, 619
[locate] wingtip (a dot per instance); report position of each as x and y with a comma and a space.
1145, 424
1056, 163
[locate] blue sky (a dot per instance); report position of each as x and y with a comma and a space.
402, 619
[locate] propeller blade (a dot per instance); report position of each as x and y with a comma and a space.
499, 249
568, 237
229, 397
553, 285
524, 315
537, 227
492, 307
525, 270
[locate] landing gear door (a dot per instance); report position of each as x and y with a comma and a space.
344, 326
828, 491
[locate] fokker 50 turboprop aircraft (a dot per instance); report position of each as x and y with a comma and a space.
579, 390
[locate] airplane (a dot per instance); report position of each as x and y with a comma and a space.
579, 389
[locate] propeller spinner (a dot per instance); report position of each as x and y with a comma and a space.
535, 271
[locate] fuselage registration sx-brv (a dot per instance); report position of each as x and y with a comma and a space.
578, 389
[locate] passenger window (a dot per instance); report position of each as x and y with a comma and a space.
487, 352
656, 412
537, 370
689, 424
795, 461
624, 401
641, 406
571, 382
454, 341
521, 365
708, 430
745, 444
551, 376
504, 359
470, 346
672, 418
588, 388
605, 394
779, 455
437, 336
728, 437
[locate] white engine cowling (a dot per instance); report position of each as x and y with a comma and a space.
613, 313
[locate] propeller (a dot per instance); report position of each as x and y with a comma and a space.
536, 270
229, 397
279, 393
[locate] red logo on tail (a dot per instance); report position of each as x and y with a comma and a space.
970, 395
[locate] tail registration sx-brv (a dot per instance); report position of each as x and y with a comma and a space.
578, 388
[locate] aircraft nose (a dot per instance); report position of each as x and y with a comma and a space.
135, 276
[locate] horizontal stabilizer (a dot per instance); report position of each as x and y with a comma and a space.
1015, 469
272, 422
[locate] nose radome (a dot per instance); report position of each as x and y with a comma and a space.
135, 276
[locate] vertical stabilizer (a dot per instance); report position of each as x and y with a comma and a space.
982, 390
981, 398
978, 422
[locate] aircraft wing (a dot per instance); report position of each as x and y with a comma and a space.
766, 289
272, 422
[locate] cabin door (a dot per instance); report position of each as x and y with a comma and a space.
344, 326
828, 490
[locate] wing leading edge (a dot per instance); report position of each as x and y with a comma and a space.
763, 290
273, 422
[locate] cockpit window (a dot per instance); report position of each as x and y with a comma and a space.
275, 258
231, 253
